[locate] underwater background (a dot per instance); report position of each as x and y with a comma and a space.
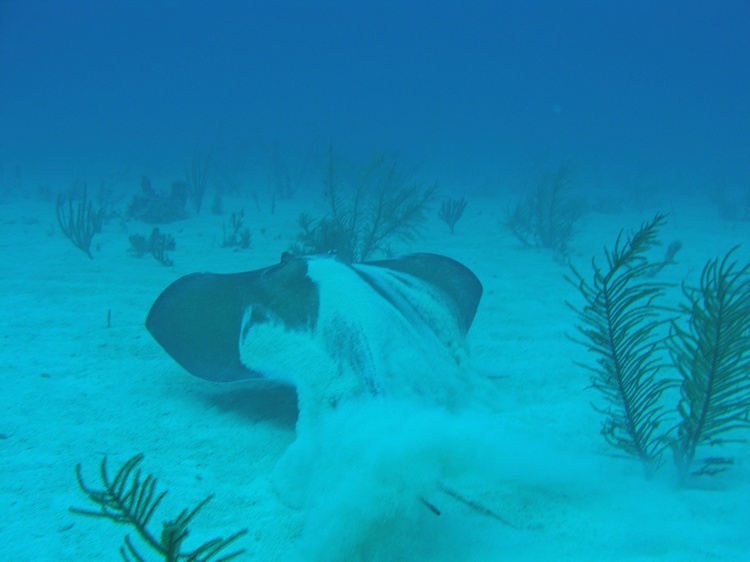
483, 91
198, 133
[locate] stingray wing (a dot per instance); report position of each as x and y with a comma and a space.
198, 318
197, 321
461, 289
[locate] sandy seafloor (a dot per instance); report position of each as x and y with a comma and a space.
74, 390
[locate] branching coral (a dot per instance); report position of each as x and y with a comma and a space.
79, 223
548, 215
131, 499
379, 209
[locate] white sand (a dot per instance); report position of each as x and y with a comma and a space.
74, 390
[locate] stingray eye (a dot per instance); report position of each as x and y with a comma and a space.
259, 315
287, 259
253, 315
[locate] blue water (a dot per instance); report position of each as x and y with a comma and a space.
646, 101
626, 89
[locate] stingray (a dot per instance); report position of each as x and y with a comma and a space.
351, 338
334, 330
